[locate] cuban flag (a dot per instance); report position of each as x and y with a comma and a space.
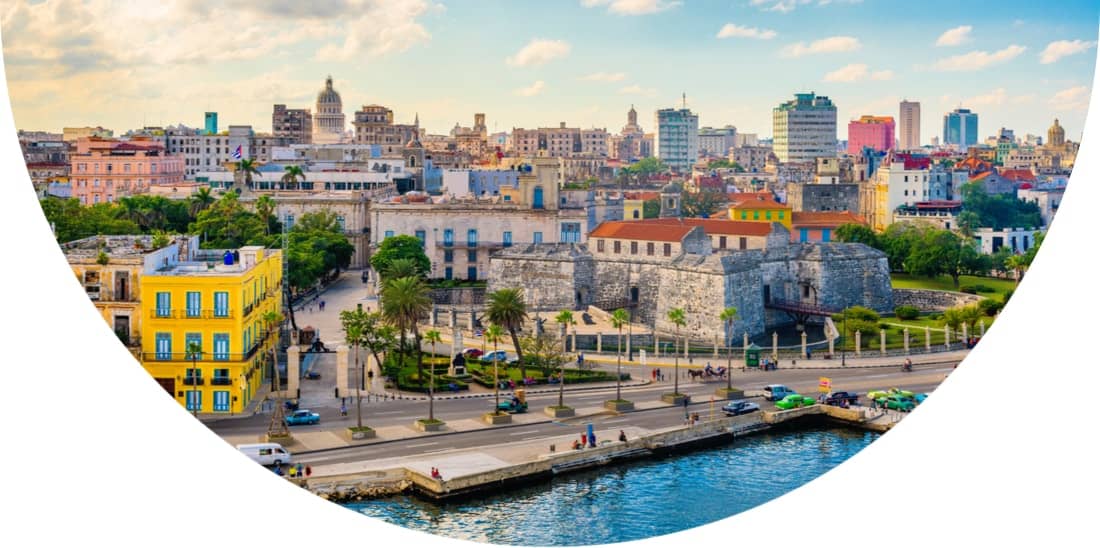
237, 153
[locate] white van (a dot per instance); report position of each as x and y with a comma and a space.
267, 454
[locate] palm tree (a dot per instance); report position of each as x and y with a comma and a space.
292, 176
507, 309
676, 316
354, 322
1016, 263
404, 302
199, 201
247, 167
493, 334
193, 352
265, 208
432, 336
565, 318
401, 268
619, 318
727, 316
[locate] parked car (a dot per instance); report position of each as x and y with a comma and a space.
792, 401
470, 353
842, 398
739, 407
498, 355
776, 392
901, 403
267, 454
303, 416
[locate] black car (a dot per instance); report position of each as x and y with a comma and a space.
842, 399
739, 407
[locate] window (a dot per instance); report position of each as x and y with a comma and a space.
743, 243
389, 234
508, 238
471, 237
599, 246
448, 256
537, 237
164, 304
422, 236
768, 215
221, 377
668, 250
340, 222
221, 346
471, 273
448, 237
164, 346
721, 242
221, 304
221, 400
571, 233
471, 256
618, 247
803, 235
635, 213
744, 215
649, 248
756, 215
805, 292
825, 235
781, 215
194, 304
448, 273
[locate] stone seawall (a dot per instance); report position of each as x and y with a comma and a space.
930, 300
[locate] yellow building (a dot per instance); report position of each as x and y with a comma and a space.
217, 300
759, 206
634, 204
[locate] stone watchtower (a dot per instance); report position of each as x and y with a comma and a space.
670, 200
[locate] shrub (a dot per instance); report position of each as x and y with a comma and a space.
969, 289
906, 312
1008, 294
990, 307
935, 316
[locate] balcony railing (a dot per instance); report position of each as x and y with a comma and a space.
221, 381
205, 356
473, 245
183, 314
193, 381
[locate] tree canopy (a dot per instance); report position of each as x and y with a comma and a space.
704, 203
998, 211
401, 247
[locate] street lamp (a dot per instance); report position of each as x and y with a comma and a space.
844, 338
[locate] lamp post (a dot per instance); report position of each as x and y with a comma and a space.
844, 338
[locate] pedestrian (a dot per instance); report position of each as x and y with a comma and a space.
291, 471
592, 440
301, 470
344, 409
278, 469
309, 471
322, 306
584, 440
622, 435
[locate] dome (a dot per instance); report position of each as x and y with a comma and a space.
328, 96
671, 188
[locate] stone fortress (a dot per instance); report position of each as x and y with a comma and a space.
656, 265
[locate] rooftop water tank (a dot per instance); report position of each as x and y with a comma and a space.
228, 258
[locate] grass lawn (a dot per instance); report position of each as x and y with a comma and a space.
943, 283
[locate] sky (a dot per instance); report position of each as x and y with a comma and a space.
125, 64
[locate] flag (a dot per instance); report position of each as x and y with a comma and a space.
237, 153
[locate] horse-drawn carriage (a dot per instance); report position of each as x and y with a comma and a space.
708, 373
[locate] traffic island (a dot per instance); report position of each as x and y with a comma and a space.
619, 406
429, 425
729, 393
674, 398
281, 440
360, 432
559, 411
497, 418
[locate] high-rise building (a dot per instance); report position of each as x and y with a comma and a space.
804, 129
293, 123
677, 143
717, 142
875, 132
909, 125
960, 128
211, 123
328, 118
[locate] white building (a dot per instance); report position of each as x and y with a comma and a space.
906, 187
1048, 200
213, 152
717, 142
677, 142
745, 140
1018, 240
804, 129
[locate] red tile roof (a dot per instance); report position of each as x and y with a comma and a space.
755, 200
641, 230
718, 226
824, 219
1018, 175
642, 195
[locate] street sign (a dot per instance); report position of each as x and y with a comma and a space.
642, 354
824, 384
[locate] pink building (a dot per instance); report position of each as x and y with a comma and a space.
876, 132
104, 170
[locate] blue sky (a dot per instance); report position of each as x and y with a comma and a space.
123, 64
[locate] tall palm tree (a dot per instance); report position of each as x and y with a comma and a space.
507, 309
292, 175
565, 318
404, 302
727, 316
676, 316
619, 318
401, 268
354, 322
265, 208
494, 334
1016, 263
193, 351
432, 336
247, 167
199, 201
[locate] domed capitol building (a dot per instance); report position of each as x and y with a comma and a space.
328, 118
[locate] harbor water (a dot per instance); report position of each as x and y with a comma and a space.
634, 500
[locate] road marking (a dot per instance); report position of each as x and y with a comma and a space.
389, 413
533, 438
615, 421
422, 444
523, 432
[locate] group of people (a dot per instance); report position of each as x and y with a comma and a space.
657, 375
590, 441
294, 471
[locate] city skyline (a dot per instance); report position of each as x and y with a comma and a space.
584, 63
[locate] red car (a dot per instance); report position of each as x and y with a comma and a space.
472, 353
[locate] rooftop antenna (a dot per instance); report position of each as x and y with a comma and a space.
685, 100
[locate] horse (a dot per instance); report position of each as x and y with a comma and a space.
695, 374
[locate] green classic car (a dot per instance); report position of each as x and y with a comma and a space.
895, 401
876, 395
795, 400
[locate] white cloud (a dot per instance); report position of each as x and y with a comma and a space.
787, 6
1074, 98
833, 44
997, 97
857, 72
976, 60
1062, 48
632, 7
731, 30
955, 37
605, 77
538, 52
638, 90
531, 90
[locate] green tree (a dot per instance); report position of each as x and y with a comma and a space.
432, 336
247, 168
401, 247
292, 176
354, 322
565, 318
543, 351
857, 318
493, 335
943, 252
619, 318
199, 201
228, 225
402, 268
404, 302
72, 221
265, 210
701, 204
728, 315
651, 209
507, 309
857, 233
676, 317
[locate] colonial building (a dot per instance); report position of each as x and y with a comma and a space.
329, 123
104, 170
374, 126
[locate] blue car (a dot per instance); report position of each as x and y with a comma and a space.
499, 355
303, 416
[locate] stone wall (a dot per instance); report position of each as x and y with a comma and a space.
930, 300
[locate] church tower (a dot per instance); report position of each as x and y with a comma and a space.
671, 195
1056, 135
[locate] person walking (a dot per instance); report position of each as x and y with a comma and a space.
322, 306
622, 435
